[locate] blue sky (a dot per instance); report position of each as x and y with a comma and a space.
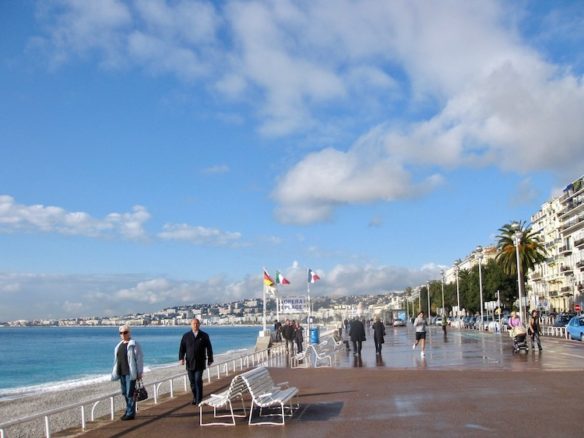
157, 153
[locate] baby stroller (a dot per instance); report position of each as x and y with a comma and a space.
519, 335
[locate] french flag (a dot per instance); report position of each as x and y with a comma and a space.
312, 277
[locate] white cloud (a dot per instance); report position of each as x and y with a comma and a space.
199, 235
432, 86
220, 168
50, 219
46, 296
323, 180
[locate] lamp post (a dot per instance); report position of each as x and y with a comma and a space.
456, 269
517, 240
480, 259
428, 287
442, 276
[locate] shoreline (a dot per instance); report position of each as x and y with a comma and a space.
33, 404
17, 393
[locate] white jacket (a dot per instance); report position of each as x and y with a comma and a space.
135, 360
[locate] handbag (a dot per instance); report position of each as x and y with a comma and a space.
140, 392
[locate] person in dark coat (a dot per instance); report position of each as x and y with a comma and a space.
299, 337
196, 351
357, 334
378, 334
289, 334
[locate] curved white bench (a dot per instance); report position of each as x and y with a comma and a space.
265, 394
237, 388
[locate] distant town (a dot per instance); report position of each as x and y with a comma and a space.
243, 312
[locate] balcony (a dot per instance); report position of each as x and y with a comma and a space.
565, 250
567, 270
536, 276
580, 264
566, 289
579, 243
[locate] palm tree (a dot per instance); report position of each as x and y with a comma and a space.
531, 249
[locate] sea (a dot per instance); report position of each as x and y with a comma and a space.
38, 359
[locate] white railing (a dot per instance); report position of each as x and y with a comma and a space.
267, 357
549, 330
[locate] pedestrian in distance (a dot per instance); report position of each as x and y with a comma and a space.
298, 337
534, 329
128, 368
357, 334
378, 334
278, 331
196, 353
420, 325
288, 334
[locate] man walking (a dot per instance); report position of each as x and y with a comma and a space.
288, 334
357, 334
196, 351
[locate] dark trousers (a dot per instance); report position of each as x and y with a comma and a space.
299, 346
357, 346
128, 385
378, 345
196, 379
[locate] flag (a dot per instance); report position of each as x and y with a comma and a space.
268, 280
312, 277
280, 279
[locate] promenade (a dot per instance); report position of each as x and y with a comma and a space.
468, 384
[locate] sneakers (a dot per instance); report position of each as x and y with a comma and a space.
414, 347
422, 354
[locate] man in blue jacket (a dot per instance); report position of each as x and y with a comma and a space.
196, 351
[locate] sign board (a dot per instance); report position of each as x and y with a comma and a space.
577, 307
293, 304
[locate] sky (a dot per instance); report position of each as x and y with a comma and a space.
155, 153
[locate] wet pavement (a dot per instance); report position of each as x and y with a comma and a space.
468, 384
464, 349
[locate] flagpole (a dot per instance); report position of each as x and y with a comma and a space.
309, 304
264, 308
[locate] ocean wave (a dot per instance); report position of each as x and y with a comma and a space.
32, 390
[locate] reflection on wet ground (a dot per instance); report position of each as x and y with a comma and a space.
462, 349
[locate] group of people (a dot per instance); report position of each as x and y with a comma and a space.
533, 328
292, 333
195, 352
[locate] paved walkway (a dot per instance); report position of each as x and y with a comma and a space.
468, 384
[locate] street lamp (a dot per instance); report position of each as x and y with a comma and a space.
456, 269
442, 275
428, 288
517, 240
479, 251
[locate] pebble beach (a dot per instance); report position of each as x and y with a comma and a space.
35, 404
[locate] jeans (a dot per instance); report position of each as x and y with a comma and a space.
128, 385
196, 379
534, 339
357, 346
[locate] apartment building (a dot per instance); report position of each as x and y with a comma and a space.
558, 282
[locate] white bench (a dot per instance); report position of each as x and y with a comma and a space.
237, 388
266, 394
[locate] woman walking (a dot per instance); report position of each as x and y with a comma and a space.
128, 367
420, 325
